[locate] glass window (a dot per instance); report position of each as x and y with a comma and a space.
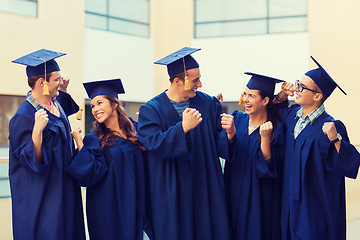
249, 17
22, 7
122, 16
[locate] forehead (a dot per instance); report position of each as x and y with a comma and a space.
97, 98
307, 81
193, 73
251, 91
55, 74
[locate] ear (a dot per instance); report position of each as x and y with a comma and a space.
266, 101
178, 81
318, 97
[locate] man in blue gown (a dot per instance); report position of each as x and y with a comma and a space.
318, 156
46, 202
182, 130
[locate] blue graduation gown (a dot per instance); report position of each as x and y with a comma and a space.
46, 202
114, 177
185, 176
253, 185
313, 197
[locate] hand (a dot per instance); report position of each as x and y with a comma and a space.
41, 120
329, 129
266, 130
287, 89
191, 118
227, 123
64, 83
76, 134
220, 97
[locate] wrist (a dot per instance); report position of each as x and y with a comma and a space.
337, 139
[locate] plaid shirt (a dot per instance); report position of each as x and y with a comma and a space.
303, 122
35, 103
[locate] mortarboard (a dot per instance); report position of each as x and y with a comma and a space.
111, 87
323, 79
35, 62
263, 83
179, 62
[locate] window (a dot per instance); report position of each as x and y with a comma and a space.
22, 7
249, 17
121, 16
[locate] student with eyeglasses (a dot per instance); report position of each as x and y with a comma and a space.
318, 157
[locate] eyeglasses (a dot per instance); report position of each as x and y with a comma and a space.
301, 87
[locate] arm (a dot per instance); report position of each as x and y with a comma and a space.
163, 142
23, 151
342, 157
67, 103
89, 165
266, 130
41, 120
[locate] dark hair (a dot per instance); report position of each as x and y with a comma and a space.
179, 76
324, 97
271, 115
32, 80
105, 135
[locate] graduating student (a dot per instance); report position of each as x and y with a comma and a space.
252, 177
182, 130
318, 156
110, 164
46, 202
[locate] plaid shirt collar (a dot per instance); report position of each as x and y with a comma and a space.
35, 103
312, 116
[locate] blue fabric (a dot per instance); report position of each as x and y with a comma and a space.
46, 202
114, 177
253, 185
185, 177
67, 103
180, 106
313, 192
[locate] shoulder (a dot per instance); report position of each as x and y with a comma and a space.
155, 102
25, 113
91, 140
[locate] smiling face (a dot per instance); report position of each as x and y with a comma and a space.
102, 110
194, 82
253, 102
307, 98
54, 84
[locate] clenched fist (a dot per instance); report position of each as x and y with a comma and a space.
191, 118
41, 120
227, 123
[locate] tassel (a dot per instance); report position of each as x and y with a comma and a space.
79, 114
187, 84
46, 88
241, 102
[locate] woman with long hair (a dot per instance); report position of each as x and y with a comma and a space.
252, 176
110, 163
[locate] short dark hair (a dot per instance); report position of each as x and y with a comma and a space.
32, 80
324, 97
180, 76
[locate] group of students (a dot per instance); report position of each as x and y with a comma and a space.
283, 176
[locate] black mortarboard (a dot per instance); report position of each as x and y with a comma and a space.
111, 87
261, 82
35, 62
179, 61
323, 79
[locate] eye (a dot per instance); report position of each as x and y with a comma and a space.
92, 106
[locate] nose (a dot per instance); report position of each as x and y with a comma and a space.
199, 85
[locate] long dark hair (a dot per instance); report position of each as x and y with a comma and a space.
105, 135
271, 115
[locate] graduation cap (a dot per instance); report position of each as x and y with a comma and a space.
179, 62
111, 87
40, 62
261, 82
323, 79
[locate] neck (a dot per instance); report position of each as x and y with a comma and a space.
308, 109
42, 99
174, 95
258, 118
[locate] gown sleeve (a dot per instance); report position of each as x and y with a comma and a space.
346, 162
271, 167
22, 151
226, 147
89, 165
169, 143
67, 103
